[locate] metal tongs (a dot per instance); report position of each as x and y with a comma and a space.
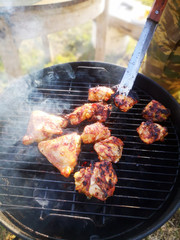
134, 64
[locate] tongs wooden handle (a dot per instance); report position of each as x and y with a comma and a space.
157, 10
131, 72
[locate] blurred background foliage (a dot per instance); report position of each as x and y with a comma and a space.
73, 44
146, 2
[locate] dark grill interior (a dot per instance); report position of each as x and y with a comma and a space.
31, 188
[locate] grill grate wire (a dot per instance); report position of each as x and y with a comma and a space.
146, 174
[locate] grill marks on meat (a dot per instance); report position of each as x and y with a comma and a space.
124, 103
81, 113
95, 132
101, 113
90, 111
43, 126
155, 111
100, 94
62, 152
150, 132
109, 149
97, 181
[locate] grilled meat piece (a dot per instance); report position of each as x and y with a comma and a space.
155, 111
101, 112
100, 94
81, 113
109, 149
95, 132
97, 181
62, 152
124, 103
43, 126
150, 132
91, 111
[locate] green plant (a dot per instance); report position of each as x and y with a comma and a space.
146, 2
31, 55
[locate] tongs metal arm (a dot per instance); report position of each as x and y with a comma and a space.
143, 43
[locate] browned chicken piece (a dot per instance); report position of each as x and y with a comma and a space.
124, 103
109, 149
81, 113
155, 111
97, 181
100, 94
150, 132
101, 113
62, 152
43, 126
95, 132
90, 111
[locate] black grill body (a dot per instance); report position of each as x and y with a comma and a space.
38, 203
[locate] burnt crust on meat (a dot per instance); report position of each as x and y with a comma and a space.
124, 103
98, 180
109, 149
90, 111
155, 111
150, 132
101, 113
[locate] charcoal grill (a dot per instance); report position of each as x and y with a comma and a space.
36, 202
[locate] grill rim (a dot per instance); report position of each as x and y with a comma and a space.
175, 204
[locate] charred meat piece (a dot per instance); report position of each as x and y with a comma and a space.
101, 112
124, 103
81, 113
150, 132
62, 152
97, 181
90, 111
100, 93
43, 126
95, 132
155, 111
109, 149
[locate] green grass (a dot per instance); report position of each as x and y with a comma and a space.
169, 231
5, 234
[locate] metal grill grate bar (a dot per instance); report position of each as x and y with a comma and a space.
6, 206
146, 174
